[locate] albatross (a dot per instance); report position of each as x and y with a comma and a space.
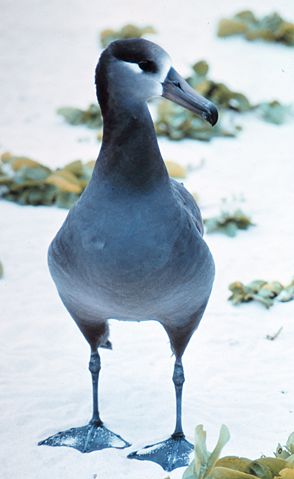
132, 246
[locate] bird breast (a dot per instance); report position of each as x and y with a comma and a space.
130, 259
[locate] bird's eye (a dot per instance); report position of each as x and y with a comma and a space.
148, 66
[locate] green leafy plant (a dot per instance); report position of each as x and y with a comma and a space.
217, 92
261, 291
171, 121
1, 270
274, 112
91, 117
270, 28
287, 451
206, 465
127, 31
176, 123
228, 222
28, 182
204, 462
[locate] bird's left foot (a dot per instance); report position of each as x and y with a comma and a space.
86, 439
170, 454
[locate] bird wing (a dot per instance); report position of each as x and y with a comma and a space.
188, 202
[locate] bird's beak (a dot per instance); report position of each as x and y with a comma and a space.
176, 89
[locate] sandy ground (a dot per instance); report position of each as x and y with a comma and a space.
234, 375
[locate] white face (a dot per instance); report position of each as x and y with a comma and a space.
149, 83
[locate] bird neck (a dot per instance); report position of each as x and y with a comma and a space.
130, 152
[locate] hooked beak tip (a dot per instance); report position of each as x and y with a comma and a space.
212, 115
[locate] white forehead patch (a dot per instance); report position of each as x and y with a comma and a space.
165, 66
161, 76
134, 67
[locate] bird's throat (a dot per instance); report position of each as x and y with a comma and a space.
130, 152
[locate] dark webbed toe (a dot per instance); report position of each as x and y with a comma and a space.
86, 439
170, 454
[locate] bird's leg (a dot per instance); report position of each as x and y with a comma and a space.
175, 451
178, 380
94, 436
94, 368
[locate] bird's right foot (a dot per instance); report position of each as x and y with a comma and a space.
169, 454
91, 437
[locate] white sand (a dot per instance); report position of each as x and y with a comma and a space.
233, 374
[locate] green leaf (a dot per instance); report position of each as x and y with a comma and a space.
228, 222
290, 443
271, 28
27, 182
261, 291
90, 117
274, 112
202, 465
127, 31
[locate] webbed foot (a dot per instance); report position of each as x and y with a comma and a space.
170, 454
86, 438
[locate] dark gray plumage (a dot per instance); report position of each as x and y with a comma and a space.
131, 248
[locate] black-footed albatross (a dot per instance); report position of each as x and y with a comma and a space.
131, 248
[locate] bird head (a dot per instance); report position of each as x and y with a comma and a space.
136, 70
